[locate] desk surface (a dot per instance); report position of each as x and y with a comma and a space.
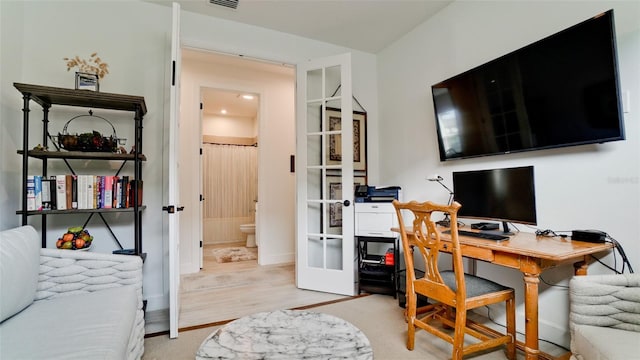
541, 247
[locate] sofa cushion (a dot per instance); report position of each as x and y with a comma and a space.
611, 300
19, 266
96, 325
604, 343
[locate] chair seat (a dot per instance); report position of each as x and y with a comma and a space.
476, 286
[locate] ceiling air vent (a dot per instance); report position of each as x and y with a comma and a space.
232, 4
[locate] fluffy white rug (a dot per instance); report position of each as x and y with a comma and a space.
231, 254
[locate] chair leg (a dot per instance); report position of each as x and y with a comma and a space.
411, 317
511, 328
458, 334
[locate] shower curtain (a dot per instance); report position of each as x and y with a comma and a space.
230, 189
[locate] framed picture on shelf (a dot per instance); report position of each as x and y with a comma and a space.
86, 81
334, 153
334, 192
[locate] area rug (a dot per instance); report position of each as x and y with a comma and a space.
231, 254
378, 316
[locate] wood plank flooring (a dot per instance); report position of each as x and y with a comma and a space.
225, 291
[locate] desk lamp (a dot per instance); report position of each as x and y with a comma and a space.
444, 222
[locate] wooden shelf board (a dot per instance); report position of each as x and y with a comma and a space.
80, 211
48, 95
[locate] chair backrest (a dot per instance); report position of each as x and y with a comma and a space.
424, 236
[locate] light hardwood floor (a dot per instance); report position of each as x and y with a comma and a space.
226, 291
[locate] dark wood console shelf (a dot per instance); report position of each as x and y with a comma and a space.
46, 97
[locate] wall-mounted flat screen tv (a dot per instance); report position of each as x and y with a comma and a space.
560, 91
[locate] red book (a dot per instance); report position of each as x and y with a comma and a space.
108, 192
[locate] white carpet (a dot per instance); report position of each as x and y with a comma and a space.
231, 254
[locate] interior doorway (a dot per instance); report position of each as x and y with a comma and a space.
274, 85
229, 171
228, 290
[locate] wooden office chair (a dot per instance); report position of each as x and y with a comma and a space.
453, 292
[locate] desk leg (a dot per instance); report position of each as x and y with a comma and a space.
580, 268
531, 282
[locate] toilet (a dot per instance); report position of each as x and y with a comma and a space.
250, 230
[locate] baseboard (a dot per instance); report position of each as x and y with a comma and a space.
275, 258
156, 321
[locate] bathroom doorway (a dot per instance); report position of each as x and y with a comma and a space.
274, 86
229, 173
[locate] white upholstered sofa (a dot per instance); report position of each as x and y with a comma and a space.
65, 304
604, 318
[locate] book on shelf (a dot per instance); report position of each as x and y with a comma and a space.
74, 192
31, 193
99, 192
133, 185
108, 192
83, 192
61, 192
68, 190
38, 191
49, 193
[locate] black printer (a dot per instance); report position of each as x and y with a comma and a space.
367, 193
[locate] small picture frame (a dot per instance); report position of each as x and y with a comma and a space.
86, 81
334, 192
334, 152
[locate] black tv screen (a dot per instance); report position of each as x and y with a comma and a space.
506, 194
560, 91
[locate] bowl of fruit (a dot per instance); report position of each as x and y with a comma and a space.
76, 238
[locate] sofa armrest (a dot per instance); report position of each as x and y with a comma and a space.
606, 301
66, 272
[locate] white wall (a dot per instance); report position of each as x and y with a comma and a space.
586, 187
133, 37
36, 36
233, 126
10, 114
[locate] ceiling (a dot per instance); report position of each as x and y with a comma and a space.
365, 25
232, 102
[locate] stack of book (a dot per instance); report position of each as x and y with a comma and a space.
64, 192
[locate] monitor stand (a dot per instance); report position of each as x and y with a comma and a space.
505, 230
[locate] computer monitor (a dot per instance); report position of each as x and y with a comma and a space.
506, 195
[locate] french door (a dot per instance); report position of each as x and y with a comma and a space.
173, 209
325, 247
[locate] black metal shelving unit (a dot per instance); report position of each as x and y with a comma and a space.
374, 274
46, 97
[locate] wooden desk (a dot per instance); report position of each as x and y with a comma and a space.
531, 255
